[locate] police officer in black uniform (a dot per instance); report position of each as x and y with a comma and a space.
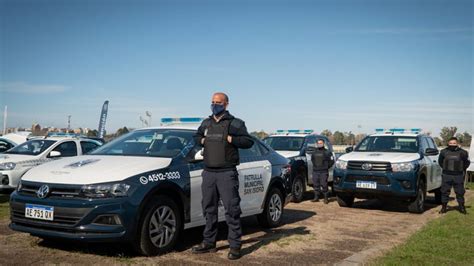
221, 135
454, 162
322, 160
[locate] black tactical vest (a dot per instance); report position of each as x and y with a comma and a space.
216, 146
453, 161
320, 160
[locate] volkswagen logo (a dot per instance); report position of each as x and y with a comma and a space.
367, 166
43, 191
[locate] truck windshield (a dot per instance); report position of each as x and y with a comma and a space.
31, 147
148, 142
388, 144
285, 143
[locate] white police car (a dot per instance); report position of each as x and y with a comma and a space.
395, 163
293, 144
143, 188
11, 140
16, 161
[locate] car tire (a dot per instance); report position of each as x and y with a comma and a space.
298, 189
345, 200
437, 195
160, 227
273, 211
418, 204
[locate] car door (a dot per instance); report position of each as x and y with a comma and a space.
428, 163
88, 146
67, 149
436, 168
254, 177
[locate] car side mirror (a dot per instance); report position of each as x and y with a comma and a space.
54, 154
431, 152
349, 149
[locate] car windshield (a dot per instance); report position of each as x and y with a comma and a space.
148, 142
388, 144
31, 147
285, 143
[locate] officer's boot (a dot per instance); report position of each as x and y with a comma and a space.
462, 208
316, 197
326, 200
444, 208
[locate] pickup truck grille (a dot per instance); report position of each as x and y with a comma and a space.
375, 166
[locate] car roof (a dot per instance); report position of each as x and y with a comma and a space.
186, 127
396, 134
296, 135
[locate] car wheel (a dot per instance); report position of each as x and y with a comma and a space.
160, 228
418, 204
273, 211
298, 189
437, 194
345, 200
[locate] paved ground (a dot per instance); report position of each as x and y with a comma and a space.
313, 233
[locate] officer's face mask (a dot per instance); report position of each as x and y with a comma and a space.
452, 147
217, 109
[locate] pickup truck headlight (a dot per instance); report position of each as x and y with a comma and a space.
7, 166
341, 164
109, 190
403, 167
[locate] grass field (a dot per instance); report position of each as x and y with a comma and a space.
445, 241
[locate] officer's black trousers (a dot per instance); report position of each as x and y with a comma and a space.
456, 181
320, 181
225, 186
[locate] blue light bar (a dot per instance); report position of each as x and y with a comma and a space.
398, 130
182, 120
294, 131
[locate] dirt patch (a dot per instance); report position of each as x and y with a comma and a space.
312, 233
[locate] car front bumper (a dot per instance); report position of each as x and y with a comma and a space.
389, 184
75, 219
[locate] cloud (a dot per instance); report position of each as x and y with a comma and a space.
27, 88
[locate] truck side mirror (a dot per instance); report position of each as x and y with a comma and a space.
349, 149
431, 152
54, 154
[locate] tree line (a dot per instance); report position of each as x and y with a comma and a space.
349, 138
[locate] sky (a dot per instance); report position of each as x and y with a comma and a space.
347, 65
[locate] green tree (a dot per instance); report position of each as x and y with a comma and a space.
121, 131
447, 133
338, 138
326, 133
438, 141
464, 139
259, 134
92, 133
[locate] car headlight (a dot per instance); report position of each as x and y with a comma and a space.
7, 166
403, 167
109, 190
341, 164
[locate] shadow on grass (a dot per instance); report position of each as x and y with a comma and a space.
193, 236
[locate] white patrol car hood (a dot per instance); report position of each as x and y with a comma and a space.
392, 157
17, 158
288, 154
92, 169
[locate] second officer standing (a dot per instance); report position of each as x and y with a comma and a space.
221, 135
322, 160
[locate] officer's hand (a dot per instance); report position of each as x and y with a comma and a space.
202, 141
229, 139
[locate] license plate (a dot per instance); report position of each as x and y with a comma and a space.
366, 184
39, 212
